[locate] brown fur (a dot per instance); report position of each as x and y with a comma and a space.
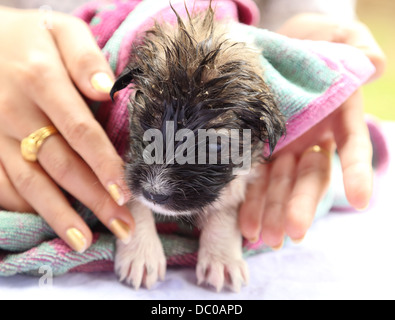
195, 77
198, 61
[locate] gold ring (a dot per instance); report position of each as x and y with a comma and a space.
31, 145
318, 149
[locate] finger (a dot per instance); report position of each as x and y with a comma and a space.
250, 213
32, 183
362, 38
83, 58
355, 151
75, 121
328, 28
9, 198
280, 186
312, 180
73, 175
70, 172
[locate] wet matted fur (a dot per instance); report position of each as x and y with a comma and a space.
194, 76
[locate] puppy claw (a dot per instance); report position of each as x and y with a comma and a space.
235, 286
200, 280
136, 275
151, 280
162, 271
201, 272
237, 276
140, 263
231, 274
216, 276
235, 283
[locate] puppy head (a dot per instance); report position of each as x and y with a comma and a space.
190, 79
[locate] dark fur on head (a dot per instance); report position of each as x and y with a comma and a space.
194, 75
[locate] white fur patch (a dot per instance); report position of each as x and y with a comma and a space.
142, 261
220, 258
220, 261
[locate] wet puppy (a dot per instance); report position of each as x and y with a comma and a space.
201, 117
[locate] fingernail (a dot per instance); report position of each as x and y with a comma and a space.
297, 241
102, 82
254, 240
363, 209
116, 194
121, 230
279, 247
77, 240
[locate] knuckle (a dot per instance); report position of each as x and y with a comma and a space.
23, 207
7, 109
84, 58
36, 70
99, 207
274, 207
63, 21
101, 165
25, 181
283, 179
58, 166
322, 172
74, 20
85, 53
76, 131
358, 139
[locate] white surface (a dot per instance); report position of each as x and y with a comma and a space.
344, 256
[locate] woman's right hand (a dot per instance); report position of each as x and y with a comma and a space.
45, 62
285, 198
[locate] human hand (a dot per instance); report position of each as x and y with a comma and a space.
312, 26
43, 71
286, 196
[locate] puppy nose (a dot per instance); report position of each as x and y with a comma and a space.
156, 198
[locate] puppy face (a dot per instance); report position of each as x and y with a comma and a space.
191, 78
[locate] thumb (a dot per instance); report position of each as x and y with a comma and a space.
82, 57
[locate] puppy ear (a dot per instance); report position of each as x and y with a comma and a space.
266, 121
273, 129
125, 79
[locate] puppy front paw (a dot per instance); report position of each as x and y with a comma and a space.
142, 262
219, 271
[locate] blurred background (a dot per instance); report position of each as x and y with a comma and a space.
379, 15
